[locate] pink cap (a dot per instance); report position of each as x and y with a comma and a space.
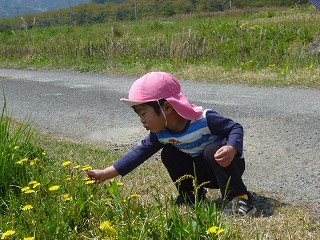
157, 85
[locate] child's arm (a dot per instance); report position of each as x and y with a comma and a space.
101, 175
129, 161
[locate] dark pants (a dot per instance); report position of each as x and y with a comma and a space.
206, 169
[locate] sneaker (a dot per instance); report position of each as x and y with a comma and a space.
239, 206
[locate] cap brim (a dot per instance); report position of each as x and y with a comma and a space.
130, 103
182, 106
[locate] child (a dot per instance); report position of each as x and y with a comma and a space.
194, 141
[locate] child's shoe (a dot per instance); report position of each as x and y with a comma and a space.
240, 207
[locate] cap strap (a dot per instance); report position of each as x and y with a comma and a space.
165, 118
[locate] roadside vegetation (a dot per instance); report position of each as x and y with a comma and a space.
270, 47
45, 195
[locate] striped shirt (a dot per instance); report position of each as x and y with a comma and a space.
193, 139
316, 3
208, 128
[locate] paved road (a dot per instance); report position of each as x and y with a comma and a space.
282, 126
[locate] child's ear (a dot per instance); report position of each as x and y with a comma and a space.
167, 107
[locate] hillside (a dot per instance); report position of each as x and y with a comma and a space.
98, 11
12, 8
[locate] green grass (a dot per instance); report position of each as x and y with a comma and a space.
63, 204
267, 47
50, 198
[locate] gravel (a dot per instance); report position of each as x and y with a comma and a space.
282, 125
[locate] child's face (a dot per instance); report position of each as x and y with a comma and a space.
149, 118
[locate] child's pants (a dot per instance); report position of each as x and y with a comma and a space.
207, 169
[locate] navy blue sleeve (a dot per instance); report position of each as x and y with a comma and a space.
138, 155
227, 128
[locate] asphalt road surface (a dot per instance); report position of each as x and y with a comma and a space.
282, 125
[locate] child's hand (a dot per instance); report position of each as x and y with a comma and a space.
225, 155
102, 175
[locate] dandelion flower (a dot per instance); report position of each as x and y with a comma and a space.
29, 191
106, 226
212, 229
27, 207
66, 163
86, 168
65, 197
90, 182
77, 166
34, 161
36, 185
24, 189
33, 182
68, 178
21, 161
54, 188
28, 238
135, 195
7, 234
215, 229
120, 183
220, 230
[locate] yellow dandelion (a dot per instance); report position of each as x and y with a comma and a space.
24, 189
21, 161
65, 197
90, 182
28, 238
77, 166
36, 185
29, 191
120, 183
27, 207
220, 230
86, 168
54, 188
7, 234
68, 178
34, 161
43, 153
106, 226
212, 229
135, 195
66, 163
33, 182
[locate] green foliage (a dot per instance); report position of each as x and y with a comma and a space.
15, 148
60, 203
101, 11
242, 41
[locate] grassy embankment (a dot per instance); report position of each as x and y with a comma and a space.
44, 195
43, 190
271, 47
